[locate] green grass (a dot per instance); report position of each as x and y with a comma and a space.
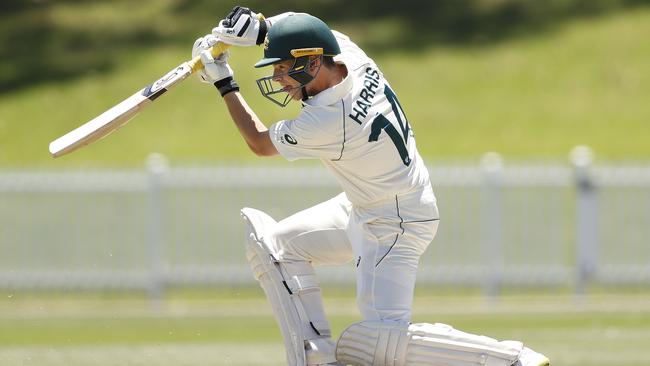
586, 81
235, 327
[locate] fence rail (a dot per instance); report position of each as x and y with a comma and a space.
501, 225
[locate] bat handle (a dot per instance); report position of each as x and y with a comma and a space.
216, 50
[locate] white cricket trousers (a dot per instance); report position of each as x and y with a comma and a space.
384, 240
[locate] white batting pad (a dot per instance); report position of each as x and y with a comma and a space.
383, 344
294, 294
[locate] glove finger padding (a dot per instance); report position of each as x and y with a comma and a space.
234, 15
197, 48
206, 57
214, 69
203, 43
241, 28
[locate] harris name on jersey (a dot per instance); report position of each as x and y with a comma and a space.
366, 96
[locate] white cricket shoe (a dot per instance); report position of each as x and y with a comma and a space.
528, 357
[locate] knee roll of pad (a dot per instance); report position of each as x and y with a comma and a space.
382, 344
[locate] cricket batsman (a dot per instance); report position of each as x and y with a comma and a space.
353, 122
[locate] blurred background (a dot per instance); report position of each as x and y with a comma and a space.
531, 115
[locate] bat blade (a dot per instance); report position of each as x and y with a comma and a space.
98, 127
117, 116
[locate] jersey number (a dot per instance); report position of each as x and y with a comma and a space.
382, 123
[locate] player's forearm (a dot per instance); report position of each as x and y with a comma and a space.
250, 127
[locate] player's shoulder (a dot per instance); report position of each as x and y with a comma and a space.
351, 54
322, 117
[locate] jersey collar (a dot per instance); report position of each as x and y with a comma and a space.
332, 95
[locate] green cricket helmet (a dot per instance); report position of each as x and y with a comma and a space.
297, 37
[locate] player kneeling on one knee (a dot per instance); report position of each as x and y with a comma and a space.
352, 120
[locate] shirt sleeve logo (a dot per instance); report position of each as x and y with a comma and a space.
289, 139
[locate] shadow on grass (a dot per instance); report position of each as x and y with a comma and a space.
36, 48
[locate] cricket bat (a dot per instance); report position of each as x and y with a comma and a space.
117, 116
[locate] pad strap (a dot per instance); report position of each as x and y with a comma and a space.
262, 32
303, 287
301, 284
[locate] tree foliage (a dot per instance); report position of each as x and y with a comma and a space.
38, 44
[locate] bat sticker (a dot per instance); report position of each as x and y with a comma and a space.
157, 89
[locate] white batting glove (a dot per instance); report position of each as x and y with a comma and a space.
214, 70
241, 27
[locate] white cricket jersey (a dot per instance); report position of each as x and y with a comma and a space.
359, 131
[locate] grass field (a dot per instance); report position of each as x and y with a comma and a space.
584, 81
232, 327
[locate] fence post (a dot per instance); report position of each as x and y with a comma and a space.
586, 218
492, 224
157, 167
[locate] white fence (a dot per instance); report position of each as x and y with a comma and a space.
532, 225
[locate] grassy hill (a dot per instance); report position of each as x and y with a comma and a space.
585, 81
